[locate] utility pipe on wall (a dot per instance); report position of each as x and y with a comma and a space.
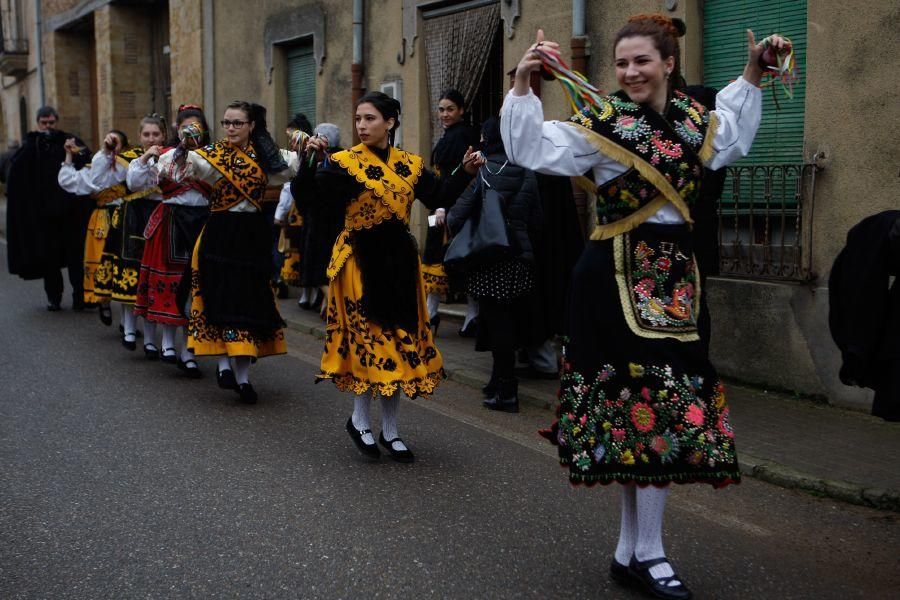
356, 69
579, 40
39, 53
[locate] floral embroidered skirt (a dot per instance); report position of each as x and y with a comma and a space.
639, 400
171, 235
233, 310
360, 356
120, 266
94, 242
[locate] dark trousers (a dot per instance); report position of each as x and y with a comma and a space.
498, 321
65, 250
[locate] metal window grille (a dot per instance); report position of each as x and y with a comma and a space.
765, 222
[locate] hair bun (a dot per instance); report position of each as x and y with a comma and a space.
680, 27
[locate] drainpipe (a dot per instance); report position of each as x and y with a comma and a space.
579, 40
39, 54
356, 68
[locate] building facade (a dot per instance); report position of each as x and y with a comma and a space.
823, 161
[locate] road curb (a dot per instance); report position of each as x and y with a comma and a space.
751, 466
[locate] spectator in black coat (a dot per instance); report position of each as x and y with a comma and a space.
504, 285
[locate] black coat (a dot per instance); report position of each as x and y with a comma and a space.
522, 208
34, 198
864, 310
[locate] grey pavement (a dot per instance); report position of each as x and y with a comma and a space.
121, 479
785, 440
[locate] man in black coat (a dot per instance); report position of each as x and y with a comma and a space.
45, 225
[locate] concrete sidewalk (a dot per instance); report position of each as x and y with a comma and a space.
787, 441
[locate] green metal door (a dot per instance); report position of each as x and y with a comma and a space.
301, 82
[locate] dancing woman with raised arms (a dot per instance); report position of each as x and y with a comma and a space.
640, 403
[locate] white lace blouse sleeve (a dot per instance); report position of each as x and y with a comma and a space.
739, 111
293, 162
141, 175
549, 147
285, 202
105, 171
73, 180
195, 168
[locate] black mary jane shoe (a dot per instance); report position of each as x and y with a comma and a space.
402, 456
247, 394
105, 314
226, 380
130, 345
470, 330
169, 359
660, 587
190, 368
151, 352
370, 451
619, 572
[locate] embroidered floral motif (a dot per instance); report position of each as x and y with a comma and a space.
242, 177
402, 169
631, 128
374, 172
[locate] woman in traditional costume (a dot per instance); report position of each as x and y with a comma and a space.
120, 267
445, 158
171, 234
291, 224
233, 314
107, 197
640, 403
377, 337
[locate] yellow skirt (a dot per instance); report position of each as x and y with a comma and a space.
97, 230
290, 271
211, 340
435, 278
362, 357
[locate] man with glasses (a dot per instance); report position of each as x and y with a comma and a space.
46, 225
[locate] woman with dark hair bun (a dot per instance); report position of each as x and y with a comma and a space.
640, 403
232, 313
171, 233
377, 337
446, 156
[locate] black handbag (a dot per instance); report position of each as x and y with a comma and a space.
484, 236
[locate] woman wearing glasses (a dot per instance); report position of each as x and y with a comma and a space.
377, 337
232, 311
171, 234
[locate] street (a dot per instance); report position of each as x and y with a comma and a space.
119, 478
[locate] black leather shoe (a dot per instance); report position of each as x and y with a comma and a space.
190, 368
129, 345
490, 388
226, 380
151, 352
368, 450
54, 306
169, 359
506, 398
471, 330
403, 456
105, 313
247, 393
619, 572
658, 587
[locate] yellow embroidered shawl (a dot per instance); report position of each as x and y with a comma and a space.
242, 177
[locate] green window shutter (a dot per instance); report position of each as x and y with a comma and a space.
780, 136
301, 82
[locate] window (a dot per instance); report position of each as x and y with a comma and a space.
301, 81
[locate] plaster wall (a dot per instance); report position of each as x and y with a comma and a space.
186, 52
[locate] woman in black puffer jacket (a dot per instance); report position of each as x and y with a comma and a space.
504, 286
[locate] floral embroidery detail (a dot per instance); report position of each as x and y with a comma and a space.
242, 177
374, 172
402, 169
631, 128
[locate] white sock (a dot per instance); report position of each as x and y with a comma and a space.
168, 337
149, 332
224, 364
389, 407
242, 369
471, 311
128, 323
360, 418
186, 354
432, 301
651, 504
628, 529
304, 296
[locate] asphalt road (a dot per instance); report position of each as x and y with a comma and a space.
121, 479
